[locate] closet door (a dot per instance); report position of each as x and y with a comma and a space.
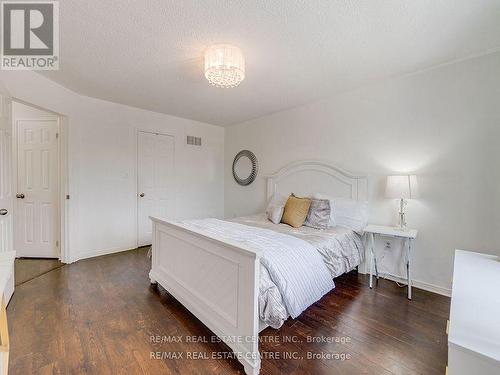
155, 182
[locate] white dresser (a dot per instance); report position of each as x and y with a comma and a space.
474, 330
6, 291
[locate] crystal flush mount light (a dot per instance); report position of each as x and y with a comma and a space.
224, 65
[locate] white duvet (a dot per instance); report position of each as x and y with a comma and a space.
292, 264
342, 250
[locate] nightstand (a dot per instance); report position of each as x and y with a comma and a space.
408, 235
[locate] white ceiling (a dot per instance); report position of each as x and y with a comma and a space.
148, 53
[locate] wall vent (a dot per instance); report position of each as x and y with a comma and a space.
195, 141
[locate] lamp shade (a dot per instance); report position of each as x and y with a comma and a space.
402, 187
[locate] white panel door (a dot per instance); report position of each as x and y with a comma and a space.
6, 234
155, 182
37, 212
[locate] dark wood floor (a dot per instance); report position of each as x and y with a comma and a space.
97, 316
27, 269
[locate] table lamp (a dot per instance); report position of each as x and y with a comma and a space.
402, 188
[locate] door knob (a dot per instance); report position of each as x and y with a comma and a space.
20, 196
141, 195
3, 212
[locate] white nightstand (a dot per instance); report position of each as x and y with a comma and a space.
408, 235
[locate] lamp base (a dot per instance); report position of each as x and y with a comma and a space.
402, 215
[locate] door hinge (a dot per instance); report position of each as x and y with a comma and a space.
57, 243
67, 196
57, 135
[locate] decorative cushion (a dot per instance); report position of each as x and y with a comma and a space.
332, 222
319, 214
296, 210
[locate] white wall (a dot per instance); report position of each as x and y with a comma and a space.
102, 163
442, 124
5, 171
22, 111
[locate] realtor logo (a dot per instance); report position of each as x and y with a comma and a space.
30, 35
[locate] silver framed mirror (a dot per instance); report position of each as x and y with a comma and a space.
245, 167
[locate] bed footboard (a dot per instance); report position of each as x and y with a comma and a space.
216, 281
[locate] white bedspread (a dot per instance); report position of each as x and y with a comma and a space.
342, 250
294, 265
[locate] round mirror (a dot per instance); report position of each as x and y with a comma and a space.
245, 167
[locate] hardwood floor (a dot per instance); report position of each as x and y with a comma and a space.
27, 269
101, 316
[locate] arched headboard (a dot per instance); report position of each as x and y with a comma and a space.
304, 178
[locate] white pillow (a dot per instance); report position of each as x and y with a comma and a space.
332, 222
275, 208
346, 212
351, 214
275, 214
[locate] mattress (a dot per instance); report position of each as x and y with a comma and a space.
341, 249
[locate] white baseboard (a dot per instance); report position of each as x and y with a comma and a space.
97, 253
419, 284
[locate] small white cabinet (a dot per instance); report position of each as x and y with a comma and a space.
474, 330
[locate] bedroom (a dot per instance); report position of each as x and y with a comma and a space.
331, 100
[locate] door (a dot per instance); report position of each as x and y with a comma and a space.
6, 234
37, 212
155, 182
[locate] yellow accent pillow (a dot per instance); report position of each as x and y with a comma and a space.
295, 211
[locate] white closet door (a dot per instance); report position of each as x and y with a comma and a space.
37, 214
6, 200
155, 182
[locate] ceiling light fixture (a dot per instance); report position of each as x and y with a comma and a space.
224, 65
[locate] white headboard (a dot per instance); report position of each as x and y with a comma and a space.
305, 178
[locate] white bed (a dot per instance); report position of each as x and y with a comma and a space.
219, 277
